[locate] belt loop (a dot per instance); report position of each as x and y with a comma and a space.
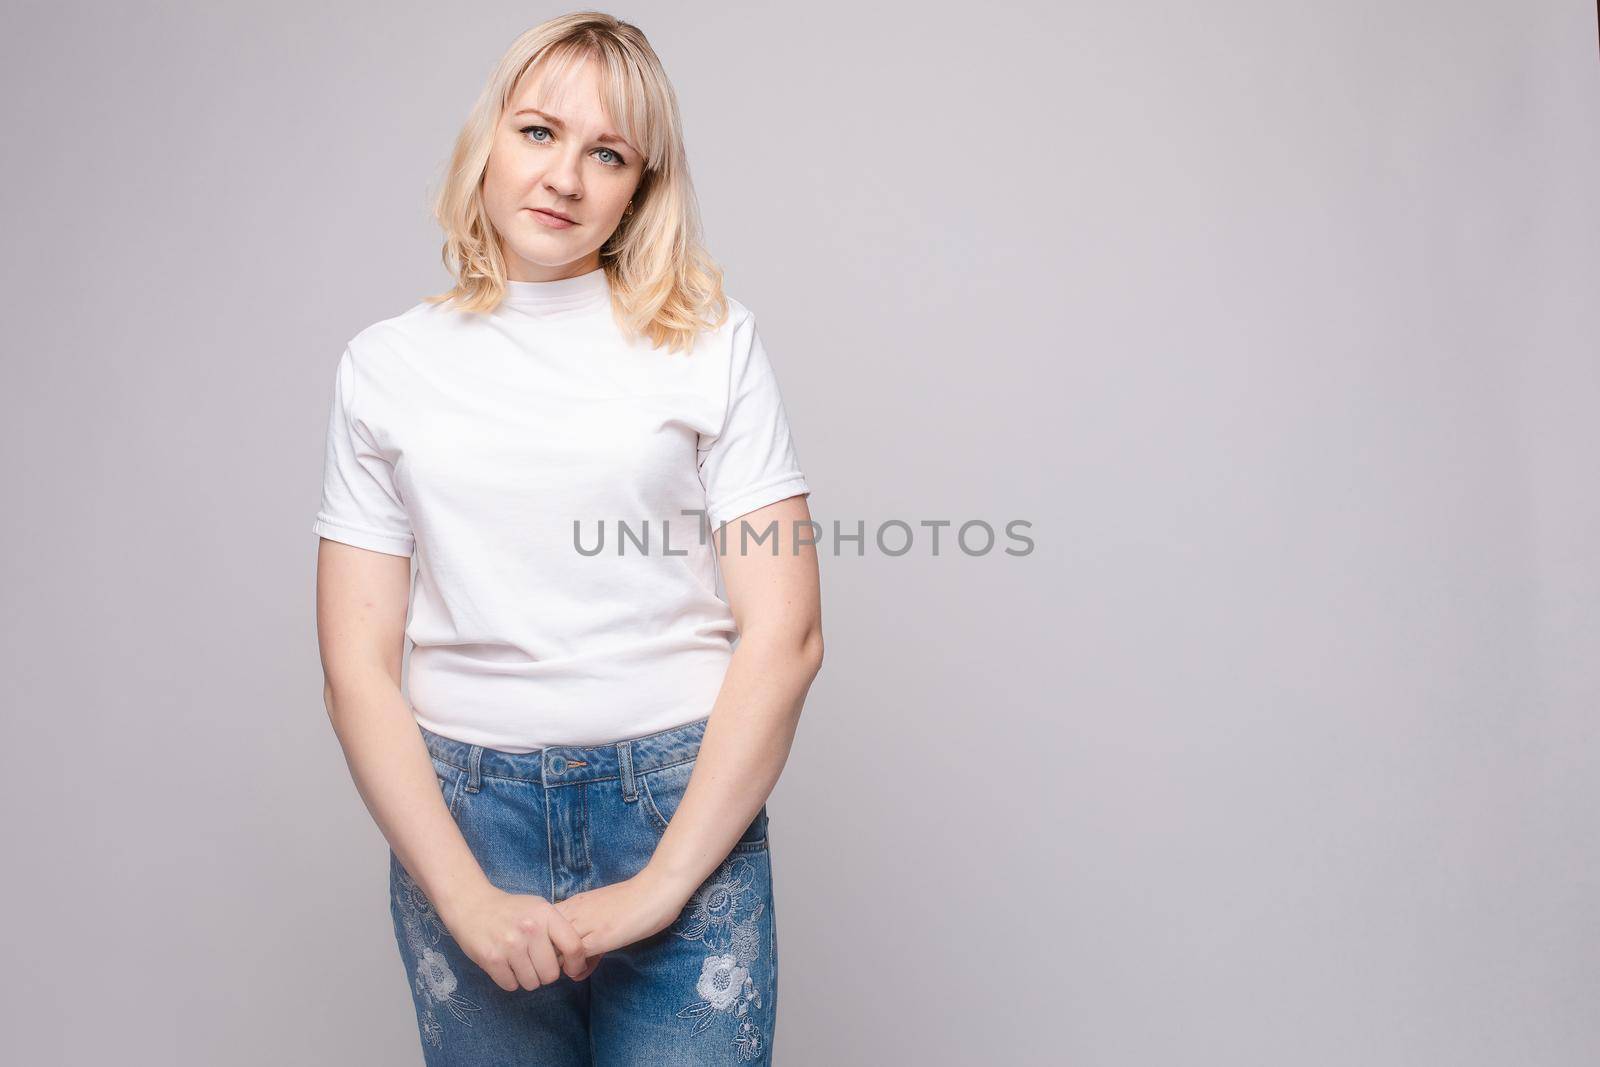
474, 779
625, 764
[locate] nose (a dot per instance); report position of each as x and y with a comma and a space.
564, 177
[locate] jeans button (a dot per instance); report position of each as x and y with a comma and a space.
558, 764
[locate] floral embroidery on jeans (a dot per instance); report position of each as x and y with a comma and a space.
721, 915
435, 982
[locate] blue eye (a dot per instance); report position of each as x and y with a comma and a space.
615, 161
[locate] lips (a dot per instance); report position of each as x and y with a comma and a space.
550, 213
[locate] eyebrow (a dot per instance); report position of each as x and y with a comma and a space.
606, 138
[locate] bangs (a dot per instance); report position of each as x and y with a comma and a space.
638, 114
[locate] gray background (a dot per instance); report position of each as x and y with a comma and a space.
1277, 320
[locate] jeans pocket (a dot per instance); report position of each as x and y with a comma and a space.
661, 791
449, 783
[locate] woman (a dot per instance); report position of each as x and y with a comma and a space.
575, 795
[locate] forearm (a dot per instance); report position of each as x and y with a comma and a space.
742, 752
394, 774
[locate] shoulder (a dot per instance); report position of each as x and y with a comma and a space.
383, 357
741, 339
734, 333
721, 332
739, 315
396, 332
393, 347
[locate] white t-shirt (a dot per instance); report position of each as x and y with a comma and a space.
475, 441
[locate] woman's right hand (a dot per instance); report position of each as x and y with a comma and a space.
517, 937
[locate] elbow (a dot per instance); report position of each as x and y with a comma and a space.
788, 645
811, 649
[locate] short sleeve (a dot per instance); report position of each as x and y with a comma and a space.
752, 461
360, 505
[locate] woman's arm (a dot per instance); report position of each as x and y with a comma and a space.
776, 601
361, 611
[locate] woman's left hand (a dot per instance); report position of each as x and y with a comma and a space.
619, 914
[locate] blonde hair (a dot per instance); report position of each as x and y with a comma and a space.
664, 284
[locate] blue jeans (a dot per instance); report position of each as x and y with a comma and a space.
567, 819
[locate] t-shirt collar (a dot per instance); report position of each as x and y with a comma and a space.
593, 288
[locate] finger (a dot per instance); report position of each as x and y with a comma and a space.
522, 963
583, 969
501, 973
557, 919
544, 956
567, 941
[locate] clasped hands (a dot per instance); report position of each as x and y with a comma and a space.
524, 941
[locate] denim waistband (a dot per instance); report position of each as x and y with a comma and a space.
567, 764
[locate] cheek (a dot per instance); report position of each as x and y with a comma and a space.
493, 185
617, 201
503, 180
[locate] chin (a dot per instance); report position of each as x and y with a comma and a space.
551, 258
548, 256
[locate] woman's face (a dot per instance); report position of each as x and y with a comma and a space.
568, 160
